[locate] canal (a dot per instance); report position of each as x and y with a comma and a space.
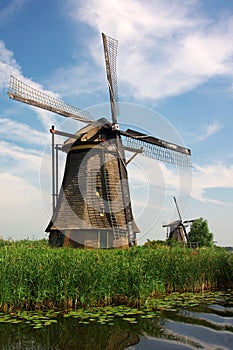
179, 321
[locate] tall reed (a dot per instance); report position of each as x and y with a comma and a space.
33, 275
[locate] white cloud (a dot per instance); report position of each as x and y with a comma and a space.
82, 75
21, 190
147, 175
28, 158
22, 133
212, 176
46, 118
205, 131
32, 165
20, 208
210, 130
165, 48
132, 19
10, 9
174, 181
8, 67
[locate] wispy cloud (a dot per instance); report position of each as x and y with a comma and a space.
211, 176
176, 49
11, 8
8, 67
29, 159
164, 48
147, 173
210, 130
21, 133
15, 188
82, 75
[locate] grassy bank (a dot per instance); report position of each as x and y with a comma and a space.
33, 275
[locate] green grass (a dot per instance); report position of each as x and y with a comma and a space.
33, 275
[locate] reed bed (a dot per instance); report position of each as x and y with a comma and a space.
33, 275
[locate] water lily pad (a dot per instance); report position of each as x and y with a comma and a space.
129, 319
38, 326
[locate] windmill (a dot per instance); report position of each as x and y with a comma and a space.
93, 207
177, 229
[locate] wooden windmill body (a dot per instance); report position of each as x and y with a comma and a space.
90, 210
94, 207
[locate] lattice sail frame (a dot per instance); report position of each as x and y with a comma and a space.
110, 51
157, 152
22, 92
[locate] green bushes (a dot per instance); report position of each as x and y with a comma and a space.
33, 275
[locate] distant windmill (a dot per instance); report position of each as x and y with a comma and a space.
94, 206
177, 229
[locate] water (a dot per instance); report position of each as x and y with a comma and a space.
206, 326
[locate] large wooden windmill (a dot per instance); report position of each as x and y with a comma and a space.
94, 206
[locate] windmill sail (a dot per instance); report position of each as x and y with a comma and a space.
110, 52
22, 92
155, 148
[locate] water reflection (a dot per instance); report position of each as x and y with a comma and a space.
68, 334
199, 327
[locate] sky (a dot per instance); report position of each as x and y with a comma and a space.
175, 78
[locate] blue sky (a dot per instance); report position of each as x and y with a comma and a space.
175, 75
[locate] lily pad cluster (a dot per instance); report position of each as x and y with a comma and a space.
176, 300
108, 314
33, 318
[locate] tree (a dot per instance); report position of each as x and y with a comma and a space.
200, 234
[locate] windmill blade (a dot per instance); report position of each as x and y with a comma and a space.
156, 148
110, 53
189, 221
176, 204
25, 93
